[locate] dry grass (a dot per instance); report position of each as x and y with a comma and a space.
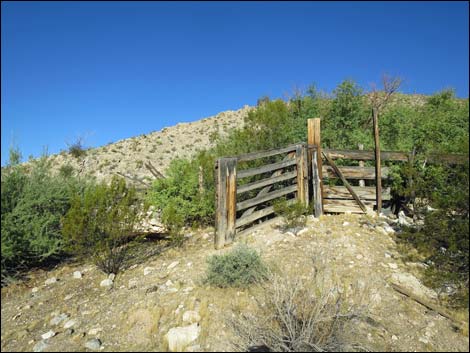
296, 315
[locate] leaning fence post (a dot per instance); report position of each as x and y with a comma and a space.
314, 139
226, 201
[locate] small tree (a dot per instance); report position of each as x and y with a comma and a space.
378, 101
100, 223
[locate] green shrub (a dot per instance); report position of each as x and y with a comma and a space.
33, 203
174, 222
240, 267
100, 222
66, 171
76, 149
293, 212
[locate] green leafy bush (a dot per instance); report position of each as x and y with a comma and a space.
33, 202
240, 267
76, 149
100, 222
293, 212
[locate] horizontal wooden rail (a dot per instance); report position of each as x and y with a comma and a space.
354, 172
269, 196
264, 182
242, 221
367, 155
365, 193
264, 169
264, 154
342, 206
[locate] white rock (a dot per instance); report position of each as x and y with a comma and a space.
359, 256
148, 270
93, 344
48, 335
58, 319
168, 283
394, 337
345, 224
132, 284
189, 264
34, 290
95, 331
50, 281
77, 275
106, 283
191, 317
70, 324
180, 337
111, 276
40, 346
172, 265
393, 266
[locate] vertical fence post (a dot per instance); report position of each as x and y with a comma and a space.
362, 182
314, 138
302, 185
226, 201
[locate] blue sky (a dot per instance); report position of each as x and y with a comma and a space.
111, 70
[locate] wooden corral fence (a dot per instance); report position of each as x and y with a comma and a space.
300, 172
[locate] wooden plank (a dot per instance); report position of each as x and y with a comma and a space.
221, 207
362, 182
314, 138
367, 155
378, 164
268, 181
316, 185
266, 189
301, 175
355, 172
264, 169
264, 154
269, 196
343, 206
365, 193
257, 215
231, 190
345, 182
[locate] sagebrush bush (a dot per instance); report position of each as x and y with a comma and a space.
76, 149
240, 267
33, 202
295, 315
100, 222
293, 213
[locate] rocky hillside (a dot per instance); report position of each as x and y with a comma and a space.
161, 302
130, 155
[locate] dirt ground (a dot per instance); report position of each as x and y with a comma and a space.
151, 297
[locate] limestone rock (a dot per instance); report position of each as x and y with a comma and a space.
77, 275
191, 317
180, 337
93, 344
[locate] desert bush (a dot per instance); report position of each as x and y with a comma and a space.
240, 267
76, 149
293, 213
33, 202
174, 222
100, 222
295, 315
66, 171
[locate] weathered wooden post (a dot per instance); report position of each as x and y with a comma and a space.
302, 174
226, 201
314, 139
362, 182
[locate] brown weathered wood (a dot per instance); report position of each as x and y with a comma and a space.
378, 164
301, 175
153, 170
343, 206
269, 196
231, 190
264, 182
367, 155
266, 189
365, 193
314, 138
226, 201
362, 182
426, 303
316, 185
264, 169
264, 154
221, 207
345, 182
354, 172
242, 221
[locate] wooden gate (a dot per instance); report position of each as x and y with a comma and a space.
238, 198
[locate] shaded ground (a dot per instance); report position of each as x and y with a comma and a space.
140, 309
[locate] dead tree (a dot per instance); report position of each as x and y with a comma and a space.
379, 100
